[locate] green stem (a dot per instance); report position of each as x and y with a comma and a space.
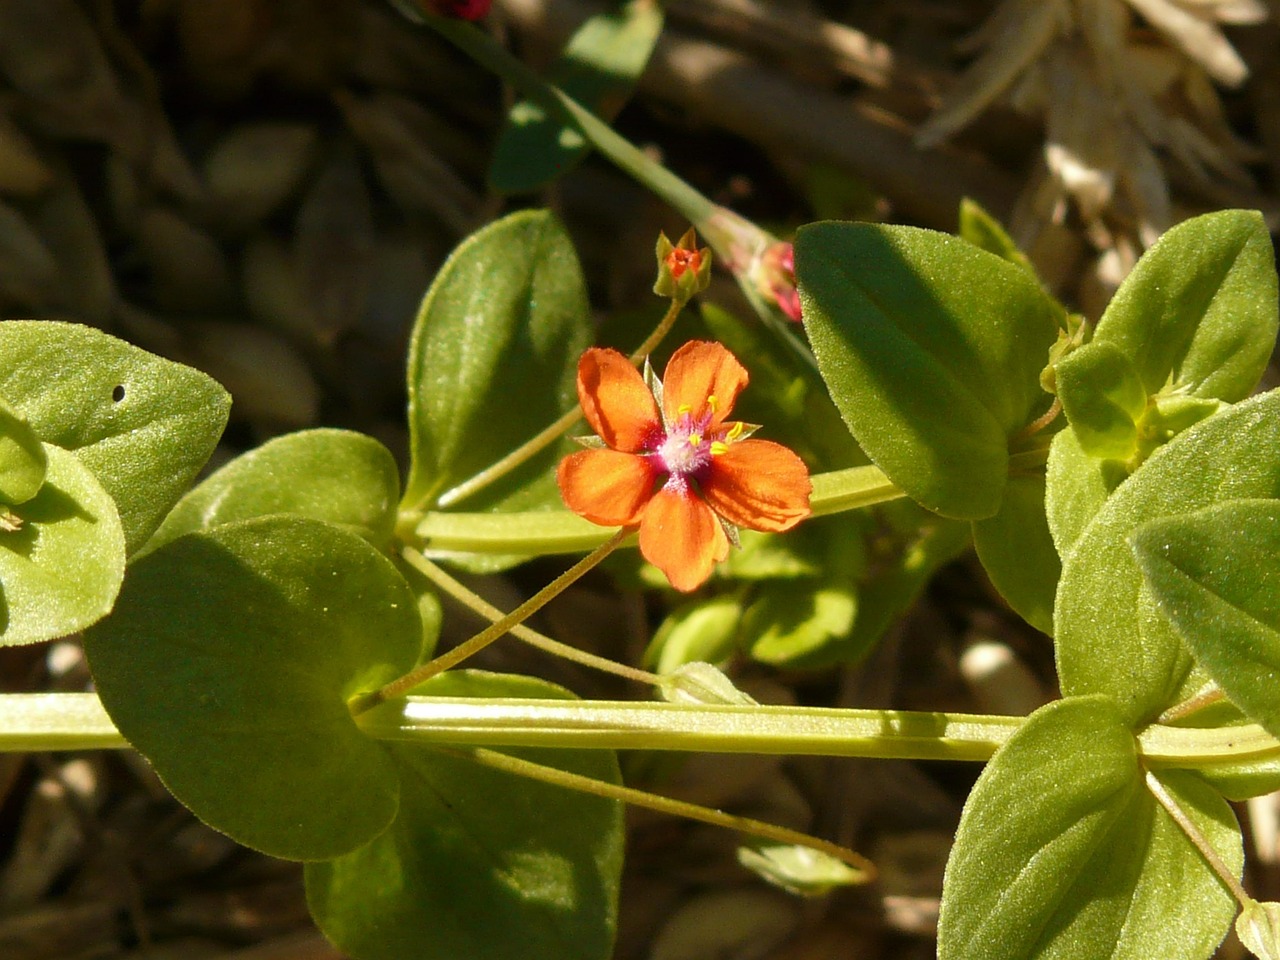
56, 721
76, 721
559, 531
491, 633
532, 447
677, 808
484, 50
1197, 838
520, 631
737, 242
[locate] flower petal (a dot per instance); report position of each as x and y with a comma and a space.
758, 484
699, 370
617, 404
682, 537
606, 486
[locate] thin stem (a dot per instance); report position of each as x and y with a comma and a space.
492, 632
737, 242
520, 631
1193, 833
678, 808
1207, 696
532, 447
1042, 421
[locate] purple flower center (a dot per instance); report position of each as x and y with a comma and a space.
684, 450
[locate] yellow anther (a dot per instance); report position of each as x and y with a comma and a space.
712, 403
717, 448
735, 431
695, 439
683, 409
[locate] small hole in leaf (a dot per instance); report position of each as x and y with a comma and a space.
118, 393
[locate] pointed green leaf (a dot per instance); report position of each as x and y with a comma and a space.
22, 458
1103, 398
340, 476
986, 232
479, 863
145, 426
493, 360
598, 69
229, 662
61, 569
1063, 853
932, 350
1214, 574
1017, 552
1199, 311
1111, 636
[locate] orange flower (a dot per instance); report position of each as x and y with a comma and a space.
669, 462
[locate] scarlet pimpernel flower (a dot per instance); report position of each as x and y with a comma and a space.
667, 460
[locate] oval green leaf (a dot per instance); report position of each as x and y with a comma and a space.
61, 569
493, 360
346, 478
145, 426
932, 350
229, 662
1017, 552
478, 863
1063, 853
22, 458
1111, 637
1199, 311
1213, 574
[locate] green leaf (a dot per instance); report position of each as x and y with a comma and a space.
1103, 398
985, 231
61, 569
478, 863
598, 69
1213, 574
229, 662
1063, 853
1111, 637
932, 350
704, 630
22, 458
145, 426
1076, 487
1017, 552
1199, 311
493, 360
346, 478
790, 622
1258, 928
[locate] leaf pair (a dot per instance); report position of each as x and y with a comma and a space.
98, 439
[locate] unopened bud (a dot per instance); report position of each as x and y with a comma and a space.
683, 268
